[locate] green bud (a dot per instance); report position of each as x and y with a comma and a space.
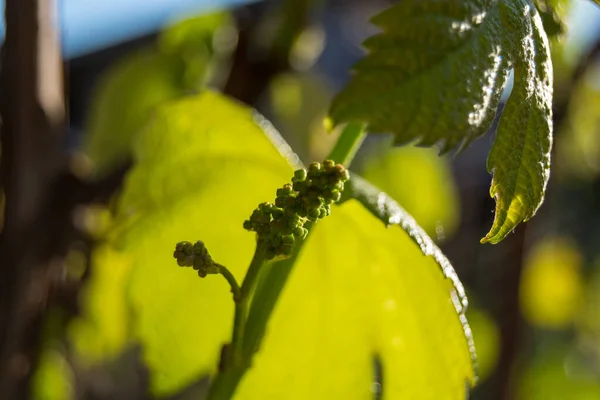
294, 221
265, 208
286, 249
276, 228
287, 189
200, 249
302, 212
276, 240
300, 175
315, 203
314, 168
323, 182
289, 210
322, 213
299, 232
290, 201
287, 239
313, 212
184, 253
265, 218
256, 215
280, 202
336, 195
277, 213
331, 194
279, 193
248, 225
301, 187
270, 253
328, 165
341, 173
263, 229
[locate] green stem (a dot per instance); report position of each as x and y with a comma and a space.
263, 304
348, 144
253, 270
235, 288
236, 364
241, 308
251, 320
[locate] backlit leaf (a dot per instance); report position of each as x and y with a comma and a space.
358, 293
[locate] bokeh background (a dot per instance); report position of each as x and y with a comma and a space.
535, 298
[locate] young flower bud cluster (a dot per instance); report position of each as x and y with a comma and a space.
308, 198
195, 256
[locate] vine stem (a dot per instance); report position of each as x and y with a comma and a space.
251, 319
235, 288
241, 306
348, 144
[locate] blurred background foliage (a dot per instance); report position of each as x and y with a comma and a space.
535, 298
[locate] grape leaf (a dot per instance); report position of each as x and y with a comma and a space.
435, 75
358, 293
520, 156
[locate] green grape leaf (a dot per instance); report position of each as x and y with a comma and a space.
53, 378
578, 145
435, 74
358, 293
520, 157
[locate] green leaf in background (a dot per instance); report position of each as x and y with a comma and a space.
299, 103
553, 375
53, 378
419, 180
129, 92
578, 146
552, 13
438, 77
126, 96
551, 290
359, 291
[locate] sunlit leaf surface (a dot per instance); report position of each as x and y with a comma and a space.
437, 77
359, 292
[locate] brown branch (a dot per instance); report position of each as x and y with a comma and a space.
32, 110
